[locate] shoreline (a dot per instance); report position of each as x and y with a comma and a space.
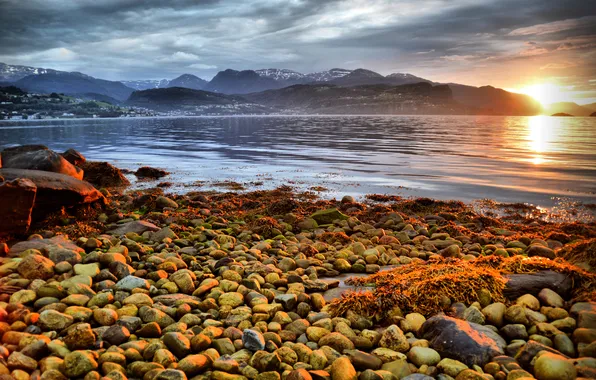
281, 115
282, 284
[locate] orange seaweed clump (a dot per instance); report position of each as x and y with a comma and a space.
583, 251
422, 287
430, 287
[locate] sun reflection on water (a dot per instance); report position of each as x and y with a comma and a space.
543, 133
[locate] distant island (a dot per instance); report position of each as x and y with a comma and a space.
561, 114
29, 92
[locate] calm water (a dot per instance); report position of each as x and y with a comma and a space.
537, 160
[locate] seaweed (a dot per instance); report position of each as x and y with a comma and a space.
430, 287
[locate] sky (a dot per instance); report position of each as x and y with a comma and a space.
546, 48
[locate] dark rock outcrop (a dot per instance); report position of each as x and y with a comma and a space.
149, 172
55, 190
470, 343
17, 198
532, 283
102, 174
38, 157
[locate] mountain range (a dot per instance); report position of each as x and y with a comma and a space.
355, 89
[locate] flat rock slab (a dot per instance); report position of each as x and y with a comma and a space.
137, 226
55, 190
470, 343
175, 299
45, 245
532, 283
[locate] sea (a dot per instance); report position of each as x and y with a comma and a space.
548, 162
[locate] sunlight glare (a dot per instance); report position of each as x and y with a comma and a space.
546, 93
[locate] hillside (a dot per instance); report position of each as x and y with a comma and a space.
188, 81
494, 101
195, 101
240, 82
369, 99
73, 83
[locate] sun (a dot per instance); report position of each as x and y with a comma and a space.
545, 93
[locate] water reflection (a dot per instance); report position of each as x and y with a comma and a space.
540, 135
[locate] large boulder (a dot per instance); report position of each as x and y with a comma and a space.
17, 198
102, 174
35, 157
470, 343
55, 190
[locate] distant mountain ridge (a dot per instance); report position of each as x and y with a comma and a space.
73, 83
486, 99
570, 108
327, 98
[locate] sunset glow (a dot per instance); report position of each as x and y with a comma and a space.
547, 93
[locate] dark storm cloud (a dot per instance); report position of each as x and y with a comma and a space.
132, 39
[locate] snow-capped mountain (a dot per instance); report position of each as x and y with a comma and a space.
329, 75
12, 73
184, 80
146, 84
405, 78
280, 74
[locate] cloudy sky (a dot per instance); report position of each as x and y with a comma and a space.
511, 44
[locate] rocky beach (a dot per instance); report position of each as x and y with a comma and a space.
101, 281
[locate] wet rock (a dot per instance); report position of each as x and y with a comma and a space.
470, 343
495, 313
550, 298
80, 337
540, 250
337, 341
194, 364
103, 174
525, 356
394, 339
129, 283
253, 340
35, 266
79, 363
451, 367
54, 320
550, 366
363, 360
328, 216
177, 343
163, 202
17, 198
149, 172
116, 335
342, 369
424, 356
398, 368
55, 191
